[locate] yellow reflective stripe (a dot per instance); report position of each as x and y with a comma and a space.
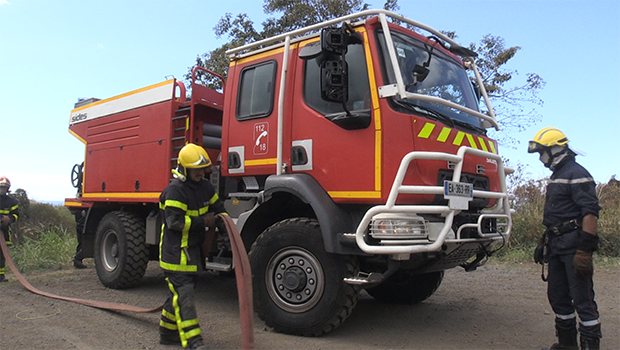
198, 212
1, 270
168, 315
188, 323
443, 136
483, 144
175, 267
426, 130
492, 145
175, 204
214, 199
192, 333
459, 138
170, 326
472, 143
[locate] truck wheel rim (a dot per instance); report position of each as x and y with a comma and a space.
295, 280
109, 251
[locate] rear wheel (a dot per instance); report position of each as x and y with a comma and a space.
404, 287
298, 287
121, 254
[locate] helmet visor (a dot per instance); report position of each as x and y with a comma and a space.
534, 147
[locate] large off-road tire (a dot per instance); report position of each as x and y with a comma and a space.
298, 286
404, 287
121, 253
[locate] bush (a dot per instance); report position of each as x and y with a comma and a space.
527, 228
53, 249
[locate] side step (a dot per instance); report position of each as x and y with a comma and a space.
220, 264
364, 278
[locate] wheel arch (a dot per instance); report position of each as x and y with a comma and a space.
300, 195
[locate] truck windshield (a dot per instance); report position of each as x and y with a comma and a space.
445, 78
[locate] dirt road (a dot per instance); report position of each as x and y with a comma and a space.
495, 307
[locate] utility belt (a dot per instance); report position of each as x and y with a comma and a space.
565, 227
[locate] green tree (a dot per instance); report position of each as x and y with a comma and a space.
515, 101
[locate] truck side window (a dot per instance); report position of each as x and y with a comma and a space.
359, 90
256, 91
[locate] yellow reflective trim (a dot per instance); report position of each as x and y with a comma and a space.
426, 130
192, 333
188, 323
492, 145
122, 195
175, 267
458, 140
175, 204
354, 194
214, 199
169, 316
483, 144
443, 136
267, 161
378, 135
170, 326
472, 143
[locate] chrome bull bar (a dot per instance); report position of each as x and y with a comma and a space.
500, 211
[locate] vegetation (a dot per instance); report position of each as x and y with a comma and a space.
44, 236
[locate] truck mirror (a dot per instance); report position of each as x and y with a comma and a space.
334, 81
310, 51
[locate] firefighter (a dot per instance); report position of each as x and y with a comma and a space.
184, 206
9, 212
80, 220
570, 215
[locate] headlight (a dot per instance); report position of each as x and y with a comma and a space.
389, 226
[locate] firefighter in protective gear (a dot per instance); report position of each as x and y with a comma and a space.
184, 205
9, 213
571, 216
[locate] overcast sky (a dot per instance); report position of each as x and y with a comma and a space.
54, 52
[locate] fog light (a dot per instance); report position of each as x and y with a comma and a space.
394, 226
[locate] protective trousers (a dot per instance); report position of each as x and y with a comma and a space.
179, 312
570, 296
7, 238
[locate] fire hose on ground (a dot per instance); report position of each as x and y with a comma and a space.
243, 277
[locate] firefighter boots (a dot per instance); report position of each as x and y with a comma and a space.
567, 340
3, 279
589, 343
195, 343
78, 264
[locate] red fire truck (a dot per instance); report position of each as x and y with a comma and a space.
352, 154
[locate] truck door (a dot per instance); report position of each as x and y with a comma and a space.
343, 157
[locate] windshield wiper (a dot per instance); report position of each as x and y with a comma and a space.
469, 126
425, 110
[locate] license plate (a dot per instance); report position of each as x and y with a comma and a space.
458, 189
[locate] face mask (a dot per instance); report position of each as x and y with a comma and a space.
3, 190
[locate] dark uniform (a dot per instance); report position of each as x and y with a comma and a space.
9, 207
571, 195
183, 206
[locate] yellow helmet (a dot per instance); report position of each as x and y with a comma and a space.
192, 156
547, 137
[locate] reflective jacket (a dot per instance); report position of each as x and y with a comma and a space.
571, 194
9, 206
183, 207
